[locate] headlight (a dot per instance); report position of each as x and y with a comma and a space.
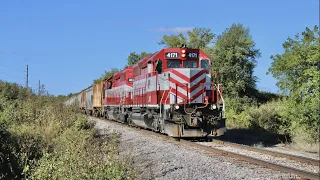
213, 106
176, 107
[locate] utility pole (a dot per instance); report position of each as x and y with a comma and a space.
39, 88
27, 76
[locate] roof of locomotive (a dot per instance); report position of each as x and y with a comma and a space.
117, 74
145, 59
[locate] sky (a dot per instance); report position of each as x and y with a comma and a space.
67, 44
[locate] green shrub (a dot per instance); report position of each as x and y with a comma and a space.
281, 117
78, 155
237, 120
236, 112
305, 139
267, 117
42, 139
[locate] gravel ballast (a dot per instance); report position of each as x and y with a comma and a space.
156, 158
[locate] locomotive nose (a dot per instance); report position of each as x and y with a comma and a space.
187, 85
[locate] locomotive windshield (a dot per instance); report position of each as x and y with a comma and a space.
190, 64
173, 63
186, 64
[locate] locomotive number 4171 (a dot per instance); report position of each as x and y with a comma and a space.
172, 55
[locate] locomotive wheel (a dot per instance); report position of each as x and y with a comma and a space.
129, 120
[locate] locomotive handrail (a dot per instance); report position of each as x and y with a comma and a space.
168, 95
165, 100
223, 104
163, 93
161, 101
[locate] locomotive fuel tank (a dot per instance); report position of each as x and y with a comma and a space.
143, 120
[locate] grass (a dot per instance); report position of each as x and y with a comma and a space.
302, 140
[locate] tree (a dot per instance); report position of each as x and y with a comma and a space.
298, 71
199, 38
234, 59
133, 58
173, 40
299, 64
13, 91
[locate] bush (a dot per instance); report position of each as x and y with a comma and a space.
42, 139
278, 117
236, 112
266, 117
303, 138
78, 155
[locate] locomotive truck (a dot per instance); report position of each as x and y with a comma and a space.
172, 91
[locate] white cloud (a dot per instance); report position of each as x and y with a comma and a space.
174, 30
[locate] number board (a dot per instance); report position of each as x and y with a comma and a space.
193, 55
172, 55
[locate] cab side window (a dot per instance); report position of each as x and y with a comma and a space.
159, 66
205, 64
109, 85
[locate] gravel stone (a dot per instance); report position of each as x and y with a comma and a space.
159, 159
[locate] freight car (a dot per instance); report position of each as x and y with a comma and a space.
171, 91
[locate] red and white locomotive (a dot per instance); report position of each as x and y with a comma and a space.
170, 92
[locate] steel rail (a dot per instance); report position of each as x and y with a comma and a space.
273, 153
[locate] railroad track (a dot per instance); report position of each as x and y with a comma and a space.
212, 150
303, 174
273, 153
